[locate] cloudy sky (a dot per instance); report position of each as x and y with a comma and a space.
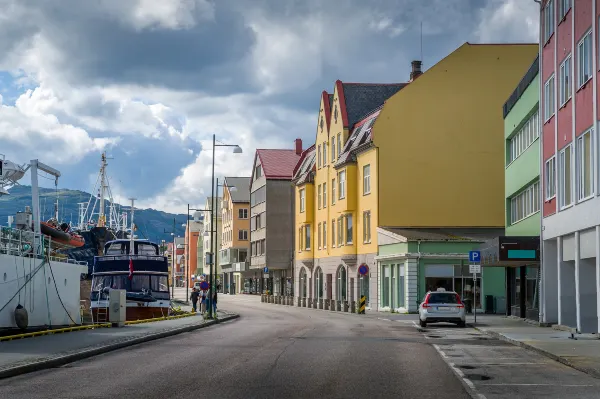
150, 81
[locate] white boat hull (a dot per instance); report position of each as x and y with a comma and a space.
39, 295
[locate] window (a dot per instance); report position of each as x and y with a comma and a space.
585, 165
307, 237
319, 197
524, 137
258, 196
300, 239
243, 213
333, 150
548, 20
340, 223
324, 154
324, 195
243, 235
319, 236
319, 156
332, 191
564, 175
257, 172
563, 7
302, 200
550, 178
324, 234
333, 233
349, 229
342, 183
339, 145
565, 81
367, 226
366, 179
549, 98
584, 59
525, 204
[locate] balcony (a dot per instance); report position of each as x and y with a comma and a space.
240, 266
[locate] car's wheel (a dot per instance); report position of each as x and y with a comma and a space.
462, 324
422, 323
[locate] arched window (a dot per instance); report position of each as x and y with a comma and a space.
342, 284
303, 283
319, 283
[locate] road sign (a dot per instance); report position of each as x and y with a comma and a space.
475, 269
363, 269
204, 286
266, 270
474, 256
362, 305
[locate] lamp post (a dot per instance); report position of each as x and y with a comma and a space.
236, 150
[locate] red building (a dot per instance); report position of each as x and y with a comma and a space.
571, 206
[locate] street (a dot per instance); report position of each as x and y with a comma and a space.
275, 351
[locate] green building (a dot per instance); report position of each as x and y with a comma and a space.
413, 261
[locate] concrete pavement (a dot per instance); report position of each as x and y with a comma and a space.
270, 352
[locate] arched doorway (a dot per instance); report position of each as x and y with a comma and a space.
319, 283
363, 287
303, 283
342, 284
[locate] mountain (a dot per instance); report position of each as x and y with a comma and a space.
151, 223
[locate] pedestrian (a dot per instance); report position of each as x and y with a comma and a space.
214, 303
203, 303
194, 296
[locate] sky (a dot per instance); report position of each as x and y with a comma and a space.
150, 81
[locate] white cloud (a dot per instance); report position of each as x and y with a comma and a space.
509, 21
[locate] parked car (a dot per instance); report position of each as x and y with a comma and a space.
442, 306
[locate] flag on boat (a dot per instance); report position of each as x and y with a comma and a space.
130, 268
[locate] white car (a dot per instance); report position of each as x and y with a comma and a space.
442, 306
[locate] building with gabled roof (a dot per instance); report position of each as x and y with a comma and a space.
271, 216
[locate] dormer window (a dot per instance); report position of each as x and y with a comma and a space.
335, 113
322, 123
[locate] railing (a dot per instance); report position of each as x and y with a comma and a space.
521, 87
21, 243
132, 257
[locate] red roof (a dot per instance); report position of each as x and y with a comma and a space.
278, 164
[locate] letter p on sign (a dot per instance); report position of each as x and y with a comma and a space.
474, 256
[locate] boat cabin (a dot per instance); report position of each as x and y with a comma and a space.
123, 247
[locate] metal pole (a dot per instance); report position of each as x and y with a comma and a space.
475, 297
173, 254
187, 255
212, 213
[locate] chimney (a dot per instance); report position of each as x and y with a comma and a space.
298, 145
416, 70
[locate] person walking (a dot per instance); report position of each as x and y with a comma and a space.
194, 296
203, 303
214, 303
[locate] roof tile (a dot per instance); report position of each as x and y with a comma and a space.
278, 164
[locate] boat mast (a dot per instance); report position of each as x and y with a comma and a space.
131, 249
101, 217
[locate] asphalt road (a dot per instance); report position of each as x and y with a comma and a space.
270, 352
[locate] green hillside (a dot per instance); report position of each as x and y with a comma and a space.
151, 223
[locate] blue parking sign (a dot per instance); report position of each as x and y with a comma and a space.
474, 256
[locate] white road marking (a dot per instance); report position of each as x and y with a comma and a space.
458, 372
541, 385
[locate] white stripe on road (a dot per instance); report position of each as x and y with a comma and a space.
458, 372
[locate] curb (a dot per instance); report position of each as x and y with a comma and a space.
84, 354
592, 372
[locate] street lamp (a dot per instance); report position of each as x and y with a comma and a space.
236, 150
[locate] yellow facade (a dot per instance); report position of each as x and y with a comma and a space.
440, 140
232, 223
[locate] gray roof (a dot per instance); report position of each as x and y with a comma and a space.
447, 234
304, 172
242, 188
360, 136
362, 98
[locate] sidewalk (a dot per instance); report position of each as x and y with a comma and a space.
582, 354
33, 354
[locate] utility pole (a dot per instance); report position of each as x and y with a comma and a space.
173, 253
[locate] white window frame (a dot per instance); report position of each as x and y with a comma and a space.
525, 204
302, 200
307, 237
550, 178
319, 156
549, 20
367, 227
339, 145
333, 236
333, 150
243, 213
563, 7
324, 154
582, 174
333, 181
324, 235
367, 179
242, 235
325, 195
561, 177
319, 235
527, 134
349, 230
549, 99
342, 184
319, 196
584, 60
565, 81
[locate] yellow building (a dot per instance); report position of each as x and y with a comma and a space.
424, 154
235, 232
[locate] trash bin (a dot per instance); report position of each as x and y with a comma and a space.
468, 305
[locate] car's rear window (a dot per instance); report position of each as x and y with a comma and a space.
443, 297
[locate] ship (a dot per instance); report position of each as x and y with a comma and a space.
40, 287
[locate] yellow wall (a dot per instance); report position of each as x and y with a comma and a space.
366, 202
441, 140
231, 222
302, 219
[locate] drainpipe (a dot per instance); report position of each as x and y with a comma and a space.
418, 264
542, 282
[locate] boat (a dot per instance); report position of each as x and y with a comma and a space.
39, 288
10, 173
136, 266
61, 234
